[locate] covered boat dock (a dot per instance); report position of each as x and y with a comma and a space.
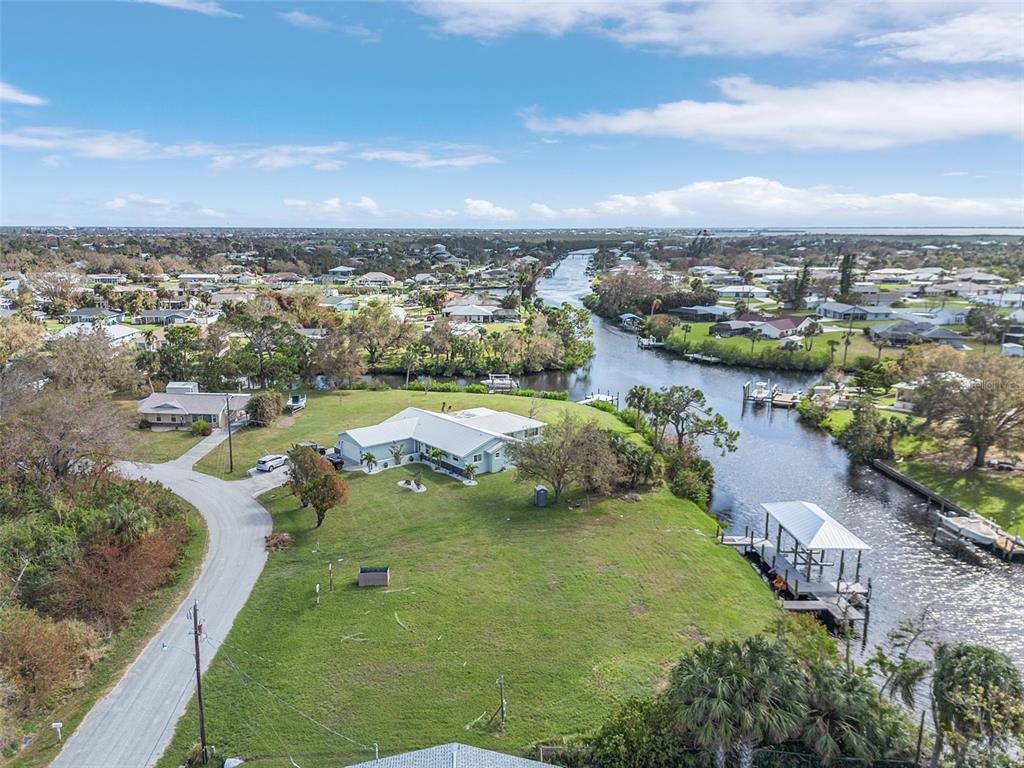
809, 556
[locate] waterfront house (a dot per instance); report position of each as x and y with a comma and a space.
907, 332
475, 436
178, 410
702, 313
837, 310
729, 328
780, 327
469, 313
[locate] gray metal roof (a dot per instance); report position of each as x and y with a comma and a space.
452, 755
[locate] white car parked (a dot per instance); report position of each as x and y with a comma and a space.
271, 462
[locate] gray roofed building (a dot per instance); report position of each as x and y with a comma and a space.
452, 755
177, 410
95, 314
908, 332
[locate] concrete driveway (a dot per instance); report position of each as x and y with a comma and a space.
132, 725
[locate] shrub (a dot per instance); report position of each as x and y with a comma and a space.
276, 542
811, 412
555, 395
265, 407
476, 389
643, 734
603, 405
416, 386
446, 386
38, 655
201, 428
107, 581
688, 484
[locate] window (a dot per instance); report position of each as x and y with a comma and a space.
477, 457
159, 418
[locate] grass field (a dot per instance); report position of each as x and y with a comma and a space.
148, 446
577, 607
119, 651
327, 413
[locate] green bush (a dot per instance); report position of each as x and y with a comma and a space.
415, 386
811, 412
628, 416
265, 407
688, 484
476, 389
201, 428
603, 405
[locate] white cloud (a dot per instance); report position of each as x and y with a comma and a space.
51, 161
336, 207
292, 203
544, 211
690, 28
424, 160
14, 95
990, 34
857, 114
305, 20
367, 204
757, 201
485, 209
205, 7
213, 213
360, 32
956, 173
112, 145
133, 198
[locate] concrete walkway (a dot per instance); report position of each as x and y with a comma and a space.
132, 725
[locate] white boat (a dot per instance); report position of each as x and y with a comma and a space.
500, 382
976, 529
760, 392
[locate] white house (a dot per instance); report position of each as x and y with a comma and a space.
470, 313
742, 291
475, 436
192, 278
119, 335
340, 274
374, 280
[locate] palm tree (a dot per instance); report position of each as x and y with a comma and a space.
396, 449
686, 331
435, 454
639, 399
833, 345
369, 460
847, 341
813, 329
734, 697
755, 336
469, 471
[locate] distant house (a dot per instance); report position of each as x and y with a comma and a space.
340, 273
730, 328
374, 280
119, 335
338, 303
165, 316
836, 310
469, 313
95, 315
904, 333
780, 327
107, 279
283, 278
742, 291
225, 295
452, 756
702, 313
475, 436
177, 410
196, 278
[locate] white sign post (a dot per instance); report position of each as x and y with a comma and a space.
57, 726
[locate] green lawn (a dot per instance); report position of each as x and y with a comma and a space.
578, 608
996, 495
148, 446
328, 413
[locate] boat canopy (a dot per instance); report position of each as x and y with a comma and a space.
812, 527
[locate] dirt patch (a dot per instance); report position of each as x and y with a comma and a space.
285, 421
554, 583
599, 563
694, 634
639, 609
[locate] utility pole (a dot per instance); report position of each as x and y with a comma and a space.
231, 451
197, 630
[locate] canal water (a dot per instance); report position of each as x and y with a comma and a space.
969, 595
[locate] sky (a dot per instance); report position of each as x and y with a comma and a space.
437, 113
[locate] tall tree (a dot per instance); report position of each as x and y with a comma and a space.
379, 332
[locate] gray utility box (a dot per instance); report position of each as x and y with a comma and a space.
540, 496
375, 576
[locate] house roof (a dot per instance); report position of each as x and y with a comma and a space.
458, 433
452, 755
95, 312
469, 309
116, 333
376, 277
189, 403
812, 527
785, 323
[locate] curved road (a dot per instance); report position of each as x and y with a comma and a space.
132, 725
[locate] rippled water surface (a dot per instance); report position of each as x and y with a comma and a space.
971, 595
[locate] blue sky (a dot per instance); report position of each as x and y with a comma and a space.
579, 113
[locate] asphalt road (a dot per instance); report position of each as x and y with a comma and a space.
132, 725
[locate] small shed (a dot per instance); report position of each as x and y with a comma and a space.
375, 576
